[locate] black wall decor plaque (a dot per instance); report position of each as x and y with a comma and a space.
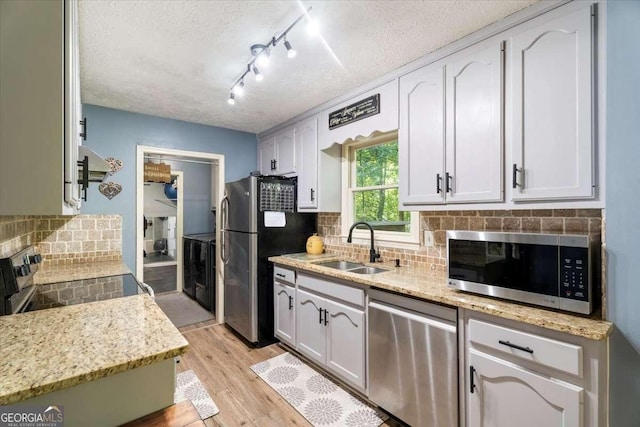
367, 107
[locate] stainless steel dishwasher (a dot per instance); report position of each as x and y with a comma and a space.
413, 359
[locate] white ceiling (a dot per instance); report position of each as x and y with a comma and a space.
178, 59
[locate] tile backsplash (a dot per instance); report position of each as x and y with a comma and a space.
64, 239
434, 258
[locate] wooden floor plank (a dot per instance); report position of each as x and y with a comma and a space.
222, 363
178, 415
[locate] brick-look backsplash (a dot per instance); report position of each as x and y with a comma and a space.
434, 258
82, 238
15, 233
64, 239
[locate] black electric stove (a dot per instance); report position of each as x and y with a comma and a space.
18, 294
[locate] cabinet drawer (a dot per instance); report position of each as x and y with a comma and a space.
284, 275
544, 351
342, 292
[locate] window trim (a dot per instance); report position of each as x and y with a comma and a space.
362, 236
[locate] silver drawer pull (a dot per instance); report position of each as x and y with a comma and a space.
517, 347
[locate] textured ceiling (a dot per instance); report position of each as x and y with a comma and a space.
178, 59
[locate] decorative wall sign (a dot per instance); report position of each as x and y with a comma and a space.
116, 164
362, 109
110, 189
157, 172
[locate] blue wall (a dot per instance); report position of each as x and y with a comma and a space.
115, 133
623, 209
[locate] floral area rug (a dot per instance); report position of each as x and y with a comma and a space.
318, 399
189, 387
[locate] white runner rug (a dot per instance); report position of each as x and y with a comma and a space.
318, 399
189, 387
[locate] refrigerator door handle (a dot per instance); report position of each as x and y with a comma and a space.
224, 213
223, 247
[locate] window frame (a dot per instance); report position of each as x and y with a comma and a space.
396, 239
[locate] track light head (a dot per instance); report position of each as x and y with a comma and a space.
232, 99
291, 52
238, 89
261, 52
259, 76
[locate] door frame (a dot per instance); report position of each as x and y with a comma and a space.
218, 173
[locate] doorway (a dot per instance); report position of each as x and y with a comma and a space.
162, 231
214, 180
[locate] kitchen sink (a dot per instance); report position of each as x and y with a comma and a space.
367, 270
341, 265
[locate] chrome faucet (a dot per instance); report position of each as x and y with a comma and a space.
373, 255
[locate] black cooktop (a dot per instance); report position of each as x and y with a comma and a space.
86, 290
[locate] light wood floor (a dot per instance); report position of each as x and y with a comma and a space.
222, 361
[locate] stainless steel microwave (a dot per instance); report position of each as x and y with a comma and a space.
552, 270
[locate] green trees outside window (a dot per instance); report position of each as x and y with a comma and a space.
375, 187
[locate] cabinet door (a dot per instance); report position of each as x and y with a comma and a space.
421, 136
506, 395
73, 109
345, 342
307, 150
310, 326
474, 125
552, 90
267, 156
285, 312
286, 152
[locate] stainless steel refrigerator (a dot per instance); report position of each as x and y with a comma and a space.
258, 221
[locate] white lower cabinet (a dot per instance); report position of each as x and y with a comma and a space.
331, 331
505, 394
518, 374
312, 339
345, 342
285, 312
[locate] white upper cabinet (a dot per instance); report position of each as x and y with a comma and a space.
450, 136
286, 152
267, 155
307, 150
277, 153
474, 125
40, 109
421, 136
552, 141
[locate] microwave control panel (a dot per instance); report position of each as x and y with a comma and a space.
574, 273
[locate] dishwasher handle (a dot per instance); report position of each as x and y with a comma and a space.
422, 318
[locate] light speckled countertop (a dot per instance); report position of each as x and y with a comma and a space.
48, 350
422, 283
69, 272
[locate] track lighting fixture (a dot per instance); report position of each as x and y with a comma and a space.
259, 76
261, 54
238, 89
291, 52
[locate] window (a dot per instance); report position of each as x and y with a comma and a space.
371, 193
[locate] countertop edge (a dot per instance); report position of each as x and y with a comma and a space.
26, 394
484, 305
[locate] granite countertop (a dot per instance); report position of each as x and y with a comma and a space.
49, 350
424, 284
69, 272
